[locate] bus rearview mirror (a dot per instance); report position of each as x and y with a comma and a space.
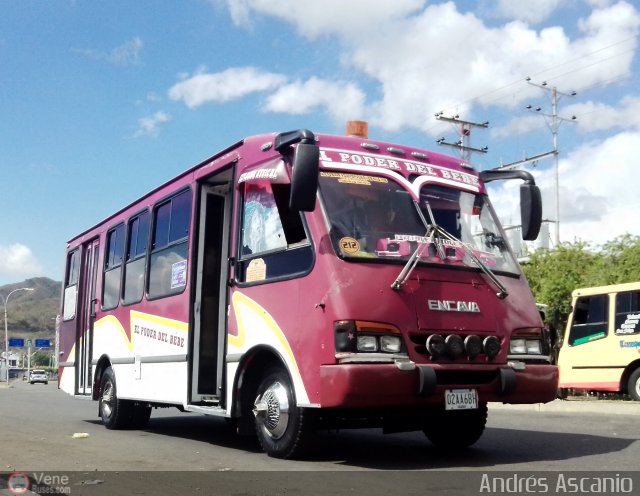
530, 211
304, 177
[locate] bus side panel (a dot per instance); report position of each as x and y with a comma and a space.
148, 354
153, 382
596, 365
256, 326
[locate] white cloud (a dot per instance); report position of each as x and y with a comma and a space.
149, 126
424, 59
326, 17
225, 86
533, 12
597, 203
17, 260
594, 116
420, 61
590, 117
342, 100
127, 54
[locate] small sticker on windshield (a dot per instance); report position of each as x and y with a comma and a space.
355, 178
349, 245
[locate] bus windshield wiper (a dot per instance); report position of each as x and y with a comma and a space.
406, 271
435, 234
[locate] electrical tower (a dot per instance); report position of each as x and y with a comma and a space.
464, 143
553, 121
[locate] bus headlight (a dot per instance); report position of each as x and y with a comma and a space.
358, 336
367, 344
390, 344
526, 342
518, 347
533, 347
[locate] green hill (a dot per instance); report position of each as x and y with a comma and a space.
32, 314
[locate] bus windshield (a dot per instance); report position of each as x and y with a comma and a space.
374, 217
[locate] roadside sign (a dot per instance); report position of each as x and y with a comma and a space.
43, 343
16, 342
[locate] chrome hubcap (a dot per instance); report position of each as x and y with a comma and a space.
272, 410
107, 399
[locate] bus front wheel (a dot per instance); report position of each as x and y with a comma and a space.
456, 429
634, 385
282, 427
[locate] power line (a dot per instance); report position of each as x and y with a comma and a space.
464, 143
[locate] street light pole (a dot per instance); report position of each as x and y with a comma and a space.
5, 301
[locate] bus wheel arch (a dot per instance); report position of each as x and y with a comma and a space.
268, 407
103, 363
630, 380
633, 384
247, 380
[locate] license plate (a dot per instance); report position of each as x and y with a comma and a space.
460, 399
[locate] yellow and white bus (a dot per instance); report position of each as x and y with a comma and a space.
601, 346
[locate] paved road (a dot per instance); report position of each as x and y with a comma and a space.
38, 424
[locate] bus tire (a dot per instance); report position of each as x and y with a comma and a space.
115, 413
282, 427
634, 385
451, 430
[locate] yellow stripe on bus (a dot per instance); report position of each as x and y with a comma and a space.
244, 307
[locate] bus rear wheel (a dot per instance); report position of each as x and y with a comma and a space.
115, 413
282, 427
634, 385
456, 429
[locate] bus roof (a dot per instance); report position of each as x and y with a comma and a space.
612, 288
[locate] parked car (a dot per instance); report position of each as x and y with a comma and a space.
38, 376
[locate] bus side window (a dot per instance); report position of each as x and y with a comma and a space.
272, 235
114, 250
590, 319
262, 227
71, 285
628, 312
136, 256
170, 246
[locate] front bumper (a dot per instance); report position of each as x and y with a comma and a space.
366, 385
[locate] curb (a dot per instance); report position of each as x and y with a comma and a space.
603, 407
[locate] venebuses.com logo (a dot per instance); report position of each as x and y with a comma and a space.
38, 483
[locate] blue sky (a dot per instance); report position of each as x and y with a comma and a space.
102, 101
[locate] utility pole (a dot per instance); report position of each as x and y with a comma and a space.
553, 121
464, 143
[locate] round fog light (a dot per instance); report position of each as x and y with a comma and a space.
473, 346
491, 347
455, 347
436, 345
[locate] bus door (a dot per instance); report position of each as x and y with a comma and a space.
84, 332
211, 291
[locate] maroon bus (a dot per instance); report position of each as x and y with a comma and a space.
298, 281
